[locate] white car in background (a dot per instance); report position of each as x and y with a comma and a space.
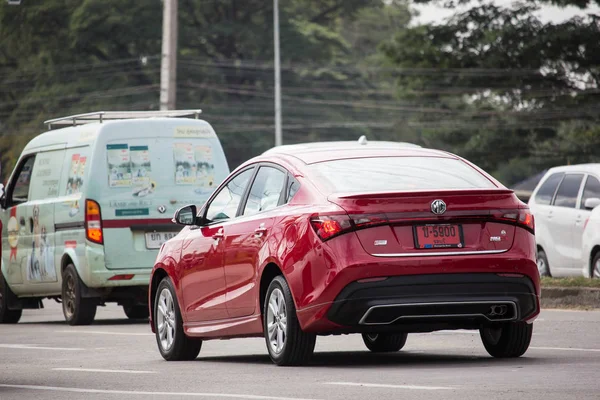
562, 205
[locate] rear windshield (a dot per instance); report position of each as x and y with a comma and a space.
397, 174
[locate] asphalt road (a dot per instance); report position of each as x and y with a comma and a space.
43, 358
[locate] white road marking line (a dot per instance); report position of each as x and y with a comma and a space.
379, 385
36, 347
134, 392
114, 371
564, 349
105, 333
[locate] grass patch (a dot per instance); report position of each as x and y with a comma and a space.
578, 281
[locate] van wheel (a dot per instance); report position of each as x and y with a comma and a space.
542, 263
287, 343
172, 341
136, 312
384, 343
509, 340
7, 316
76, 309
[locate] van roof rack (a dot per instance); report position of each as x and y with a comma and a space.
101, 116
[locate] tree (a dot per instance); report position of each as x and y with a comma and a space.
497, 83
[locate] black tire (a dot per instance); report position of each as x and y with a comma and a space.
509, 340
298, 346
183, 348
78, 310
543, 264
136, 312
595, 267
384, 343
7, 316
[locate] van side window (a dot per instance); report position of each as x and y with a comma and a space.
566, 195
46, 175
546, 192
20, 191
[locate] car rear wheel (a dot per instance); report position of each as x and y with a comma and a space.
508, 340
7, 316
287, 343
77, 309
384, 343
542, 263
136, 312
172, 341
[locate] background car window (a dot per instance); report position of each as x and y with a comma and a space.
566, 195
20, 193
266, 191
546, 192
591, 189
225, 204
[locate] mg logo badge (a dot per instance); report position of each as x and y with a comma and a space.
438, 207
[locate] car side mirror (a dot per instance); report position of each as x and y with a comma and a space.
186, 215
591, 203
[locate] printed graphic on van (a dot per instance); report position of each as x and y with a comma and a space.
141, 169
41, 259
193, 165
13, 234
119, 165
75, 181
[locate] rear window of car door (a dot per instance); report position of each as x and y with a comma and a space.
546, 192
591, 190
568, 191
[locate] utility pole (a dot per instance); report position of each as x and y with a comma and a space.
168, 63
278, 136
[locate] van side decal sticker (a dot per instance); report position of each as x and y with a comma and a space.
119, 165
75, 181
41, 260
141, 169
13, 234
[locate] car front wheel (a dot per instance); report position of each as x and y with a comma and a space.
509, 340
172, 341
384, 343
287, 343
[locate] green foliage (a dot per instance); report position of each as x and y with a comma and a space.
498, 84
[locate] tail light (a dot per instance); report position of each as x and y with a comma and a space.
330, 226
523, 219
93, 222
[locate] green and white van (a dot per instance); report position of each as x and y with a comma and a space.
89, 204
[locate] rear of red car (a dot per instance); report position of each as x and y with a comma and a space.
415, 244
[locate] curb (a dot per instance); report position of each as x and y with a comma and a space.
570, 297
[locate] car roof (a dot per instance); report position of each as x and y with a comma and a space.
311, 153
589, 167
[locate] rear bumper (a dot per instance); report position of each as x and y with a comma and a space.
448, 300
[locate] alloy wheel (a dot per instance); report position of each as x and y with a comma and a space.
277, 321
165, 319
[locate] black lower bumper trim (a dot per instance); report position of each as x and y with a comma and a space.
458, 300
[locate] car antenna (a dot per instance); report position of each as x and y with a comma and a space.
362, 140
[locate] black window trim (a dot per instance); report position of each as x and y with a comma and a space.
11, 184
582, 189
579, 192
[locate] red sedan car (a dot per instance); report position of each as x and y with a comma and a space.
376, 239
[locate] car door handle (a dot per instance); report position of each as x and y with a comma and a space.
218, 236
258, 232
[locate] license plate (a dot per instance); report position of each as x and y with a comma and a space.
438, 236
156, 239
